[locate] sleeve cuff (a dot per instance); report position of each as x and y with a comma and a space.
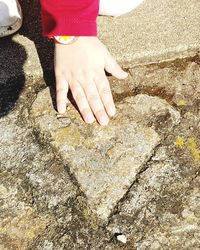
64, 28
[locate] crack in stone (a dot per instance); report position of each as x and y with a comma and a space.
144, 168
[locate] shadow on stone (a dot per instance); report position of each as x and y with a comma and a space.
10, 85
32, 29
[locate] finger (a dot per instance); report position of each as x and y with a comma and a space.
61, 93
113, 68
82, 103
105, 93
95, 102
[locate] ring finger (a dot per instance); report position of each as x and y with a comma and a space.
95, 102
82, 103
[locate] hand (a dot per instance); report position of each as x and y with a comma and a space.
80, 68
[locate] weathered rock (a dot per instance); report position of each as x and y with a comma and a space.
158, 220
150, 110
39, 197
161, 210
33, 184
24, 58
122, 238
176, 81
104, 160
159, 191
20, 223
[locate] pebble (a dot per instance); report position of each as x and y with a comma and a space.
64, 120
121, 238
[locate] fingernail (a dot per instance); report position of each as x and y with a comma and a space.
89, 119
61, 109
103, 120
112, 111
125, 74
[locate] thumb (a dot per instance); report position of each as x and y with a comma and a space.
112, 67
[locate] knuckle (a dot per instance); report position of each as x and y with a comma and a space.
77, 93
78, 75
60, 89
80, 78
86, 83
99, 78
79, 97
74, 88
93, 97
99, 112
60, 98
84, 110
105, 91
88, 73
58, 72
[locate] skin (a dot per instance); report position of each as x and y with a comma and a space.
80, 67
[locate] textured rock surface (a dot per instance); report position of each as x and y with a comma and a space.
42, 204
24, 57
104, 160
160, 209
20, 223
33, 183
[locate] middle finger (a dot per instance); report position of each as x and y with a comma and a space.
95, 102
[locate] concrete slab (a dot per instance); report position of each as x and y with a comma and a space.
157, 30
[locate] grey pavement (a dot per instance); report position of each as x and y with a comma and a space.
158, 30
69, 185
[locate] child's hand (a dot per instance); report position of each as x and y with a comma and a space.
80, 67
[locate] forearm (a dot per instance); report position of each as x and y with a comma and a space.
69, 17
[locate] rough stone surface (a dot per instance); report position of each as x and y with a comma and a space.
177, 82
19, 58
33, 183
42, 204
160, 209
104, 160
20, 223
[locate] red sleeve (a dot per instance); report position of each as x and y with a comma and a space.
69, 17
